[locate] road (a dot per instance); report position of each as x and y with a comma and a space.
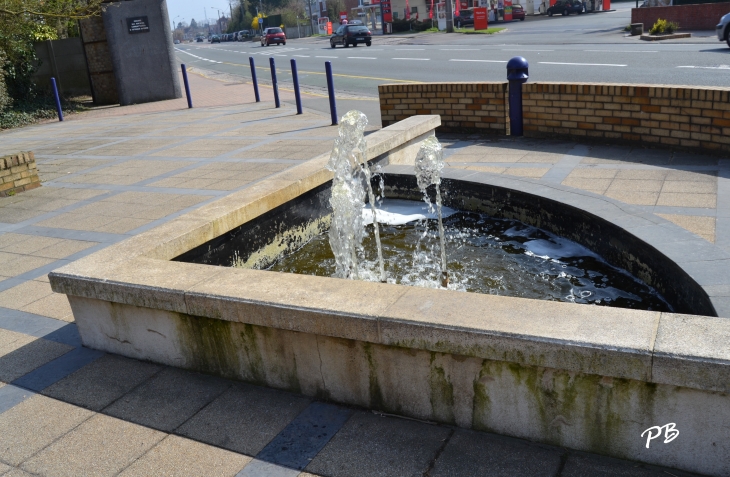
579, 48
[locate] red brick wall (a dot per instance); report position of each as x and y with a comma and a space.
463, 107
704, 16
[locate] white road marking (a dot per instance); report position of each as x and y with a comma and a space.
459, 49
484, 61
720, 67
576, 64
362, 57
326, 56
412, 59
301, 56
529, 51
409, 49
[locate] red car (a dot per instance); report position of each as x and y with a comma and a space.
273, 35
518, 13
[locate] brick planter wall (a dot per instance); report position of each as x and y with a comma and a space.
704, 16
670, 115
463, 107
18, 173
675, 116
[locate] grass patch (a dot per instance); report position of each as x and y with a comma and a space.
24, 113
488, 31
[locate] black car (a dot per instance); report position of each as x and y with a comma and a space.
348, 35
464, 18
566, 7
215, 39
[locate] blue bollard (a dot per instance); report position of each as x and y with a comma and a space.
273, 82
57, 98
516, 75
331, 92
187, 86
295, 78
253, 78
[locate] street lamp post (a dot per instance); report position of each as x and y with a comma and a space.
220, 30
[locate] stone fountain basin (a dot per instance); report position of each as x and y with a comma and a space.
586, 377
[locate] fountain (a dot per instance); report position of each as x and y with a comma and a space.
591, 378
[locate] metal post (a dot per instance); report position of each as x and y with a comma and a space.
273, 82
517, 73
295, 78
58, 100
253, 78
187, 86
331, 92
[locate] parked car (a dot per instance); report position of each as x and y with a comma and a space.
243, 34
723, 29
518, 13
347, 35
566, 7
273, 35
464, 18
177, 42
199, 39
215, 39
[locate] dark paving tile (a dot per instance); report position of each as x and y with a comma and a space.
372, 445
168, 399
472, 453
102, 382
587, 465
48, 374
28, 357
245, 418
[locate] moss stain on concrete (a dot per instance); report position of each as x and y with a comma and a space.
442, 393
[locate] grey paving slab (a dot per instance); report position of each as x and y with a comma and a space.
297, 444
470, 453
100, 237
245, 418
49, 373
11, 396
28, 323
568, 162
371, 444
102, 382
261, 468
31, 354
168, 399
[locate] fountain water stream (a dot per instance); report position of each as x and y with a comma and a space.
352, 176
429, 164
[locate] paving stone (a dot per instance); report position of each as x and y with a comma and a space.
586, 465
4, 467
102, 382
169, 399
372, 445
24, 294
17, 473
35, 423
54, 305
177, 457
470, 453
27, 353
101, 446
244, 418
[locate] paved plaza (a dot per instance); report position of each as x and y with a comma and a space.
66, 410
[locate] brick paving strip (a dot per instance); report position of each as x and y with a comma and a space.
108, 175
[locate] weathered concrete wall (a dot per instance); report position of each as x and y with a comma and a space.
590, 412
144, 63
64, 60
98, 59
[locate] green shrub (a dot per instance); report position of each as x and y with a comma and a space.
5, 99
672, 27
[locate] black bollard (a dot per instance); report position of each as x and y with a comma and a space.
516, 75
274, 83
57, 98
187, 86
253, 78
295, 78
331, 92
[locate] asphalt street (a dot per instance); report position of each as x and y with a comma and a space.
579, 48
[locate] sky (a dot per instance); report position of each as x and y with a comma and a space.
188, 9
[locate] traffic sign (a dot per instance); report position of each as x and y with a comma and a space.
261, 21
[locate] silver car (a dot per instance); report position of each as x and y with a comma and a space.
723, 29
